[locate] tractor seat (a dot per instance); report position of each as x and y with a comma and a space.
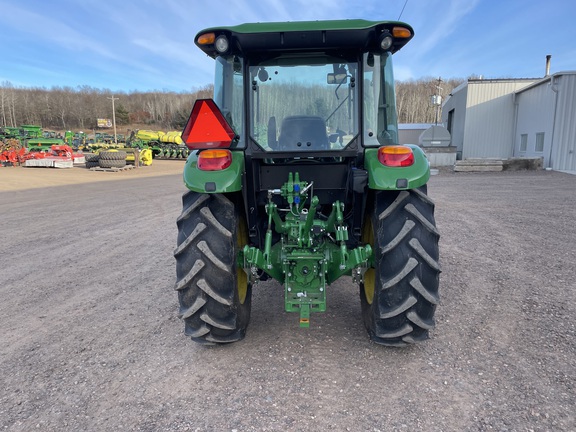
301, 133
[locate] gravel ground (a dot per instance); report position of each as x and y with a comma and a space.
90, 338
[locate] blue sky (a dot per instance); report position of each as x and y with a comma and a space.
144, 45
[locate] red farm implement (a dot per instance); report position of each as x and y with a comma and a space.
11, 152
59, 156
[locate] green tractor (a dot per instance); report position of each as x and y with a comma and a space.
76, 140
295, 174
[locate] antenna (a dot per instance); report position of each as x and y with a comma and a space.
402, 11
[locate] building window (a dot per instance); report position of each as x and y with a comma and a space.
523, 142
539, 142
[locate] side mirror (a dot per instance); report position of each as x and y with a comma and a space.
337, 78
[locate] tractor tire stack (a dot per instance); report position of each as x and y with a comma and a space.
92, 160
112, 159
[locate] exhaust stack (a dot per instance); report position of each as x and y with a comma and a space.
548, 57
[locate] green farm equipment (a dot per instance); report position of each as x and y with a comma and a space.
32, 137
165, 145
295, 174
21, 133
76, 140
43, 144
51, 134
9, 133
31, 131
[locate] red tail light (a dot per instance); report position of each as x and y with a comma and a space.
207, 127
396, 156
214, 160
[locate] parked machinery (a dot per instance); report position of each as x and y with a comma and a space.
166, 145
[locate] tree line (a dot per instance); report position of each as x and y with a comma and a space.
414, 98
67, 108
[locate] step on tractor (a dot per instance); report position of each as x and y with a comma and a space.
295, 174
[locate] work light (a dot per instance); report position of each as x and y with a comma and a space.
385, 41
221, 44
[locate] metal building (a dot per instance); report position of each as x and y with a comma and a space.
479, 114
505, 118
546, 121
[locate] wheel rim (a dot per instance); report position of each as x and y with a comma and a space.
369, 284
241, 276
370, 275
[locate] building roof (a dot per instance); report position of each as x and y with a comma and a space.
496, 80
545, 79
488, 81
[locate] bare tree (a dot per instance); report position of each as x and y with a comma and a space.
4, 101
413, 98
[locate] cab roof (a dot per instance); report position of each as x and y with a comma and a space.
303, 36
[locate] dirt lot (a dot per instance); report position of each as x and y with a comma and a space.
90, 338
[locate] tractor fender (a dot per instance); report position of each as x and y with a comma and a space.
221, 181
381, 177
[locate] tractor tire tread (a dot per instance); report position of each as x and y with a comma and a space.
91, 157
111, 163
407, 268
206, 270
112, 155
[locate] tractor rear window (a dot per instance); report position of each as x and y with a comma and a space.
309, 104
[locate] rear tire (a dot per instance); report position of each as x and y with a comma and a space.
400, 292
213, 291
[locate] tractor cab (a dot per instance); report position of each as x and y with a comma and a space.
307, 87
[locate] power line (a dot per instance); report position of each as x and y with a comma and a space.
402, 11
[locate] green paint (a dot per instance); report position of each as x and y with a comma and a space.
312, 252
381, 177
335, 25
226, 180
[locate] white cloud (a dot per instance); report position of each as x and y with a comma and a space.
145, 42
437, 22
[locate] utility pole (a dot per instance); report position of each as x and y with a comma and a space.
114, 117
437, 99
